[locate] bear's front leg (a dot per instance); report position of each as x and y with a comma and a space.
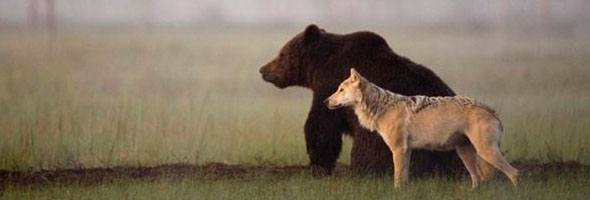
323, 137
370, 155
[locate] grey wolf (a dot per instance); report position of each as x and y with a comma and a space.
405, 123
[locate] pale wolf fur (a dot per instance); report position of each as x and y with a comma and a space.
434, 123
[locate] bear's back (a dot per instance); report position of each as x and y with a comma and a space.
370, 54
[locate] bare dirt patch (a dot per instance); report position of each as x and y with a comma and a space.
215, 171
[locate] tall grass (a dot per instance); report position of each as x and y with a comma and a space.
105, 98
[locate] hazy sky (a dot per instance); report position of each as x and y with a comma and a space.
416, 12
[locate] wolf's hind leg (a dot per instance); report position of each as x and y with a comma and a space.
485, 137
469, 157
494, 157
490, 152
486, 169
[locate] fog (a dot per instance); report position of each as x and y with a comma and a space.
570, 17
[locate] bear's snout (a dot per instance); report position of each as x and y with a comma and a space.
269, 75
266, 75
264, 72
261, 70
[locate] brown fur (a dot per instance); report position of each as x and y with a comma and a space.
441, 124
319, 60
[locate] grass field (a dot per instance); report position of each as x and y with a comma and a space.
568, 186
104, 98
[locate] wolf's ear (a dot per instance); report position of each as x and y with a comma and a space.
354, 75
311, 34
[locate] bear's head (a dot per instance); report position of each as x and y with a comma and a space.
288, 68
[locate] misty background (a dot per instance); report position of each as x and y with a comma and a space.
569, 18
101, 83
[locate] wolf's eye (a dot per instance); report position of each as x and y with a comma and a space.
340, 90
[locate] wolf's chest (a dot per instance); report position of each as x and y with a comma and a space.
436, 141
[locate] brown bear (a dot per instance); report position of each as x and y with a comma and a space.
320, 60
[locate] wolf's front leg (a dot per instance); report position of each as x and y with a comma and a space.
407, 158
400, 161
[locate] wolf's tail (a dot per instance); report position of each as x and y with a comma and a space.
493, 113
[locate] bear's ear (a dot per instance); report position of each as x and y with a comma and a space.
311, 34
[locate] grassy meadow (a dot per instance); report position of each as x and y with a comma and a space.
568, 186
103, 98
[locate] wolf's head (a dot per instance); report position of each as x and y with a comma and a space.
349, 92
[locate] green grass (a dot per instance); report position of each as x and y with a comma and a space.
122, 97
564, 186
